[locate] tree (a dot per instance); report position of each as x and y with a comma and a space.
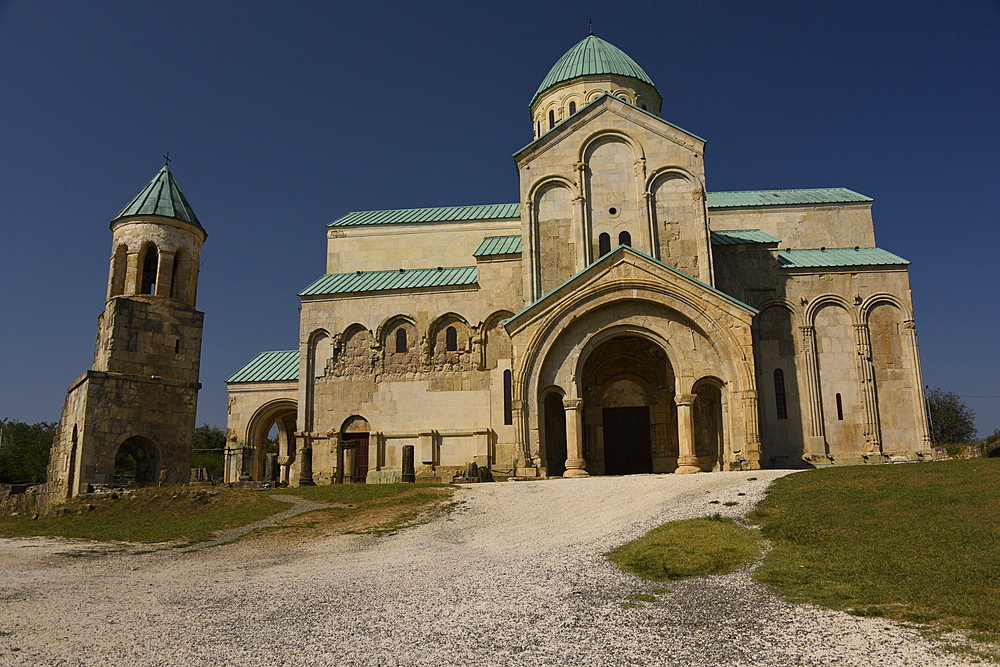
952, 421
209, 449
24, 451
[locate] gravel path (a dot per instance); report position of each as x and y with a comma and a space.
514, 576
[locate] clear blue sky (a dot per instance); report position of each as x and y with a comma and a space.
280, 117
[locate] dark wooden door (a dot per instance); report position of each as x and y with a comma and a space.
360, 443
627, 448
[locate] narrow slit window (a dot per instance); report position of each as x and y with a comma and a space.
508, 399
779, 394
840, 408
625, 239
604, 244
572, 108
451, 339
177, 346
400, 340
552, 119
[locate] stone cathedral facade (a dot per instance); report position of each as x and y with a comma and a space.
619, 318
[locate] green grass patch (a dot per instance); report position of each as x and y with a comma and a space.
917, 543
689, 548
162, 514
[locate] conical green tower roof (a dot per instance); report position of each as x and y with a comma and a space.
161, 196
592, 56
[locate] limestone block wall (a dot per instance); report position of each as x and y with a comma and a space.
448, 403
831, 226
151, 336
838, 368
103, 410
410, 246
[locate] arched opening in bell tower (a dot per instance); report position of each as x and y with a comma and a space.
136, 462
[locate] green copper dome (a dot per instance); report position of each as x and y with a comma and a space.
591, 56
161, 196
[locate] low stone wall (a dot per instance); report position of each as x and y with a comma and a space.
26, 498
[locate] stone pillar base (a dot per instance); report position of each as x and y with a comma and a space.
687, 465
575, 468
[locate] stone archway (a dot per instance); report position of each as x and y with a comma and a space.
270, 444
136, 461
630, 419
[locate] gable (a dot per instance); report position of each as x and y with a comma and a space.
626, 267
608, 104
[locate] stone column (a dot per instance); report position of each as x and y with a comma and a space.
751, 436
650, 221
866, 374
284, 463
305, 459
580, 235
575, 463
815, 444
132, 273
687, 459
164, 271
910, 338
521, 443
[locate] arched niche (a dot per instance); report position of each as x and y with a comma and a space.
613, 197
556, 246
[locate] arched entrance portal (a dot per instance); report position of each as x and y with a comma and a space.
630, 419
354, 436
271, 443
136, 462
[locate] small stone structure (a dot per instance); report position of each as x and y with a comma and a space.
139, 398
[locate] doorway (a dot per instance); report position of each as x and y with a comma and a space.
627, 447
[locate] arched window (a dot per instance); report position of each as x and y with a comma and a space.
508, 399
625, 239
400, 340
149, 265
552, 118
572, 108
840, 408
604, 244
451, 339
779, 394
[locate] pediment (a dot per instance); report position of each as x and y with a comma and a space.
596, 113
627, 269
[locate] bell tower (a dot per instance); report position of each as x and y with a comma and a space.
136, 406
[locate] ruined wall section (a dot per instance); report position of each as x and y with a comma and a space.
831, 226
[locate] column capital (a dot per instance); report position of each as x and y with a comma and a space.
807, 330
686, 400
572, 403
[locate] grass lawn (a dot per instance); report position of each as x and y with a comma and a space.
914, 542
190, 515
155, 514
689, 548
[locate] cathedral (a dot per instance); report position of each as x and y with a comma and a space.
619, 318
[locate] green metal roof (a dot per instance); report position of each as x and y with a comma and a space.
269, 367
592, 55
437, 214
513, 211
784, 197
161, 196
828, 257
377, 281
499, 245
741, 237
